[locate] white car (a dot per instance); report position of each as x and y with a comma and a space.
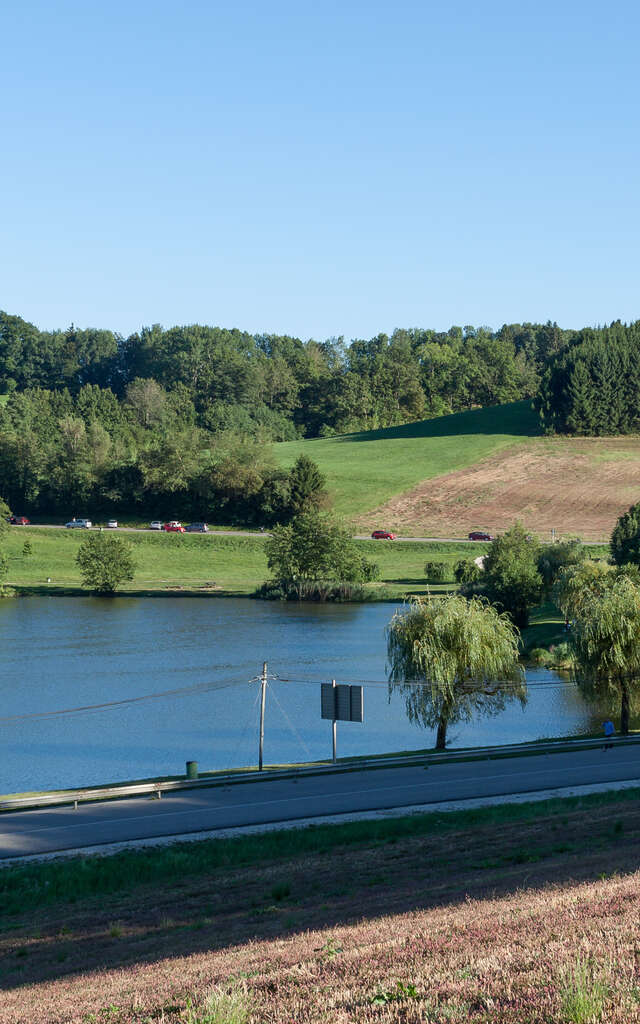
79, 524
155, 525
112, 524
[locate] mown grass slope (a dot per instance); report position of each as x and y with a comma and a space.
175, 563
164, 562
364, 470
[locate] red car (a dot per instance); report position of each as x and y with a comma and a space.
19, 520
383, 535
479, 535
173, 527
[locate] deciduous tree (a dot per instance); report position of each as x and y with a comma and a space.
105, 562
315, 549
510, 579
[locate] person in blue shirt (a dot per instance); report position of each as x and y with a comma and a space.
609, 733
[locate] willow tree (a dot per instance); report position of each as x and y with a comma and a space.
576, 584
606, 643
453, 659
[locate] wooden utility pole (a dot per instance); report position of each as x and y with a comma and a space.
263, 700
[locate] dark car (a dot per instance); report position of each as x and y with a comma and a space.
383, 535
480, 535
197, 528
19, 520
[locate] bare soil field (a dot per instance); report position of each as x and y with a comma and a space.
535, 923
577, 486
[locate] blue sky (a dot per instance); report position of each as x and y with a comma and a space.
319, 169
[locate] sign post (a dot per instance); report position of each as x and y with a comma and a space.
341, 703
334, 728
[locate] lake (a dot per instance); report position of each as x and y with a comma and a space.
64, 653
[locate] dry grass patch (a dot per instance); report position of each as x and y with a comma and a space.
573, 485
513, 926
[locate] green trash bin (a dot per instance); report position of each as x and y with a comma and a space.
192, 769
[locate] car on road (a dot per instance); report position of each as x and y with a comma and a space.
173, 527
112, 524
18, 520
197, 528
79, 524
155, 525
479, 535
383, 535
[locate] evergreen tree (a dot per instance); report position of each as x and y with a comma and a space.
307, 486
625, 538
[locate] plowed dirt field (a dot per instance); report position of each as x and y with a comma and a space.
575, 486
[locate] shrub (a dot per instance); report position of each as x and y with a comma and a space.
466, 571
435, 572
310, 590
540, 656
561, 656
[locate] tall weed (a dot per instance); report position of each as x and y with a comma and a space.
583, 995
220, 1006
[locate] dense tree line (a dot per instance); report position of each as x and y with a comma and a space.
592, 386
279, 387
182, 419
89, 453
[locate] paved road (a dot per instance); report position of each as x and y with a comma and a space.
265, 534
244, 533
186, 812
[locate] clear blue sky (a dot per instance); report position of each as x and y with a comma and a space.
319, 168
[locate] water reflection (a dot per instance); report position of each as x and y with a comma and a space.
67, 652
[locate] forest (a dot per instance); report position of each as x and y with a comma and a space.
592, 387
184, 417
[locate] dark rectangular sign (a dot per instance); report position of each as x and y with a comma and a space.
342, 703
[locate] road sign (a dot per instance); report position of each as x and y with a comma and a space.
342, 703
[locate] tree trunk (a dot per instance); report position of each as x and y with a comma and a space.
441, 738
624, 709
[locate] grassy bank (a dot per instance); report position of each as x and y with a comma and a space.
51, 883
364, 470
192, 564
511, 915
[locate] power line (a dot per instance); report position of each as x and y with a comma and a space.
202, 688
180, 692
541, 684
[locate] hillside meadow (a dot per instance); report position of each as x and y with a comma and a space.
367, 469
481, 469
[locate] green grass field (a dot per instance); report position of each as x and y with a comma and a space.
364, 470
165, 562
174, 563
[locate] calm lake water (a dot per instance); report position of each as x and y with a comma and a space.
63, 653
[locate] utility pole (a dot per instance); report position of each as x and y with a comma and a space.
334, 724
263, 700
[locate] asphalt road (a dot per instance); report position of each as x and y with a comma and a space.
264, 534
24, 833
240, 533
